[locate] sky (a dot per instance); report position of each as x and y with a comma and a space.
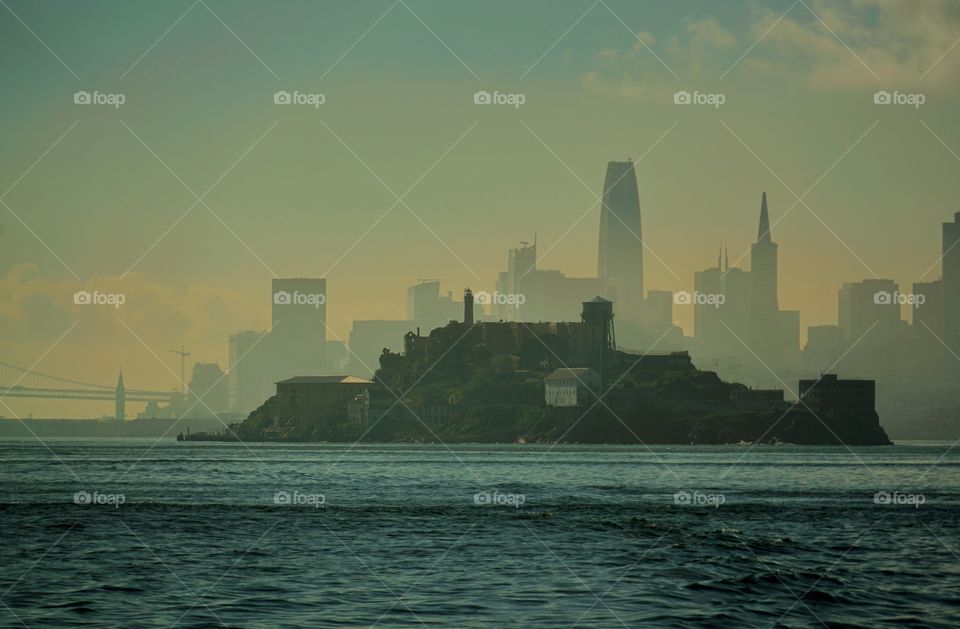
197, 190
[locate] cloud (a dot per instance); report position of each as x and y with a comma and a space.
36, 310
906, 44
708, 33
896, 41
636, 73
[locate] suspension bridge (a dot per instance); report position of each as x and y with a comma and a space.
22, 382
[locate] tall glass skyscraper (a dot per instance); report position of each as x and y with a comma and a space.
620, 252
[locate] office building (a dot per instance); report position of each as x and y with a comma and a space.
299, 333
620, 251
248, 382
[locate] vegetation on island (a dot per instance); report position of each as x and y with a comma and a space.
458, 388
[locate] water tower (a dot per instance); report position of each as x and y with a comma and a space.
597, 314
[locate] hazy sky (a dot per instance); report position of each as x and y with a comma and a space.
302, 190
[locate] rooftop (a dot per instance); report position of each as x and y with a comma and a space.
571, 373
326, 380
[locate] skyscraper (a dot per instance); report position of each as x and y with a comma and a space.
765, 326
368, 339
428, 308
248, 381
951, 287
868, 313
299, 333
207, 393
534, 294
928, 316
719, 327
620, 251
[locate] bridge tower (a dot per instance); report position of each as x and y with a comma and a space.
120, 402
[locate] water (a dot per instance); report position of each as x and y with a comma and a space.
783, 536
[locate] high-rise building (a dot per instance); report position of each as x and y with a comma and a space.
428, 308
790, 339
928, 316
368, 339
336, 357
930, 358
620, 252
868, 312
521, 262
951, 286
526, 293
825, 347
299, 333
722, 328
207, 393
248, 381
658, 311
765, 327
521, 265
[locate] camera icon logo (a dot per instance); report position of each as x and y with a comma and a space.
82, 297
81, 98
683, 298
482, 98
482, 498
882, 298
281, 498
282, 98
281, 297
882, 98
882, 498
82, 498
682, 498
682, 98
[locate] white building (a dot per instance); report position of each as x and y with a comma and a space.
571, 387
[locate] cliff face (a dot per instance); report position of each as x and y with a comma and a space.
798, 426
473, 393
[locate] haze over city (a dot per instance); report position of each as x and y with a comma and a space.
309, 191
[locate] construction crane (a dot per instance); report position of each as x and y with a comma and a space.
183, 358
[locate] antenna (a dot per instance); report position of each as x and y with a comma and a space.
183, 357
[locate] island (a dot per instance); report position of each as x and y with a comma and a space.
553, 382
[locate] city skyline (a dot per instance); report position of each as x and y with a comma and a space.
193, 272
300, 346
